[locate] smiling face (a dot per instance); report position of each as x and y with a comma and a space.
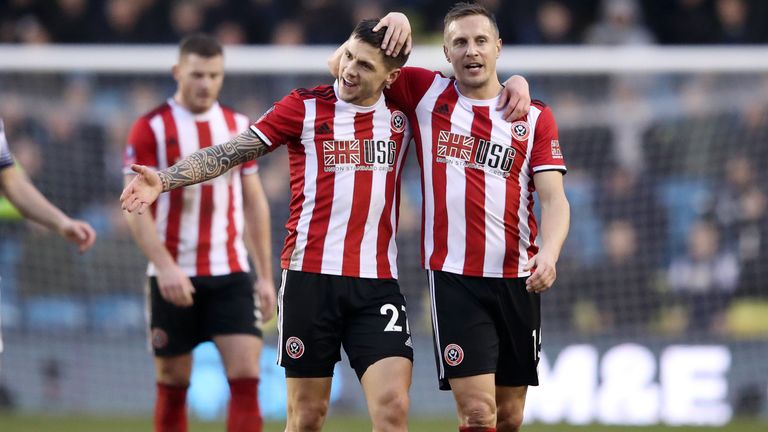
472, 45
363, 73
199, 81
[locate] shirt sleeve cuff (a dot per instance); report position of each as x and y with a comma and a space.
261, 135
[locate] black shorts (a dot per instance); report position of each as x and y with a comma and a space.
222, 305
319, 313
485, 325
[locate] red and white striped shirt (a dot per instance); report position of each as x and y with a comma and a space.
345, 166
201, 225
477, 175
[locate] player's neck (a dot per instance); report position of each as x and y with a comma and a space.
489, 90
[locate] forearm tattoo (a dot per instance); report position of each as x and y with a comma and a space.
211, 162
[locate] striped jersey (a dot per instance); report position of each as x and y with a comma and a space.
345, 166
6, 159
201, 225
477, 175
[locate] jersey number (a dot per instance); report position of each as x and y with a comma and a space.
392, 324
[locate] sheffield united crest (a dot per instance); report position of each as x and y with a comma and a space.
520, 130
397, 122
453, 355
294, 347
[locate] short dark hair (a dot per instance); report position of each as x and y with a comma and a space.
465, 9
364, 32
201, 44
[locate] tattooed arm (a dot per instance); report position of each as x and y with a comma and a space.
212, 162
200, 166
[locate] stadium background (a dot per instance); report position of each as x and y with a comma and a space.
660, 312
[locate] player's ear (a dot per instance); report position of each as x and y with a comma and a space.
391, 77
175, 71
445, 51
498, 47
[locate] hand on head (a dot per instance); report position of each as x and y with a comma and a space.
398, 35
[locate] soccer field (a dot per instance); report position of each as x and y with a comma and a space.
23, 423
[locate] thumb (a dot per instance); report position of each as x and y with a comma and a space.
139, 169
530, 264
503, 98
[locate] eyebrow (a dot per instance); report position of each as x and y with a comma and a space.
366, 63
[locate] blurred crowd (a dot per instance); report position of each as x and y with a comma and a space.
295, 22
666, 171
666, 182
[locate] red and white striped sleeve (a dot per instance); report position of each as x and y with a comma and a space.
141, 147
410, 87
546, 154
281, 123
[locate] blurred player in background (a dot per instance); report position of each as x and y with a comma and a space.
346, 147
15, 185
480, 167
195, 240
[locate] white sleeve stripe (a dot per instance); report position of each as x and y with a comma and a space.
261, 135
549, 168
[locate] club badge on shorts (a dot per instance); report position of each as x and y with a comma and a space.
453, 355
159, 338
294, 347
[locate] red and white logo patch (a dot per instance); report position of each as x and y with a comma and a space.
341, 152
294, 347
397, 122
520, 130
453, 355
456, 146
556, 152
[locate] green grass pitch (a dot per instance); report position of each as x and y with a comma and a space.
28, 423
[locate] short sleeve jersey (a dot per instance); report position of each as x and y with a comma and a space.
477, 175
6, 159
345, 166
201, 225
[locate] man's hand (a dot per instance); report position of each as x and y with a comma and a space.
515, 98
544, 274
79, 233
142, 191
398, 35
175, 286
265, 289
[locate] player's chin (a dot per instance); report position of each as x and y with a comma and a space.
203, 104
347, 96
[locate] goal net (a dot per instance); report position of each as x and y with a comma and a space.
660, 310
